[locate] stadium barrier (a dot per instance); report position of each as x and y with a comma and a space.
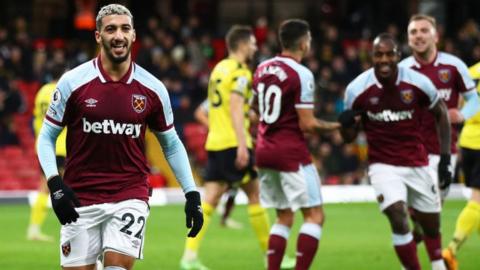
330, 193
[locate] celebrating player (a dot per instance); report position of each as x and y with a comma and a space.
106, 105
284, 91
229, 143
390, 100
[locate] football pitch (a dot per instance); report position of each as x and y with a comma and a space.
355, 236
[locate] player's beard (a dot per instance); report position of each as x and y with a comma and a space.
107, 47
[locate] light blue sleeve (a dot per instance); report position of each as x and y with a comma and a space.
472, 104
46, 149
177, 158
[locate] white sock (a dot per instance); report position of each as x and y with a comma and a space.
114, 268
438, 265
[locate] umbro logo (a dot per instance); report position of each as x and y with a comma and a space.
91, 102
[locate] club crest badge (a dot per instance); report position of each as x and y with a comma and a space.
139, 103
444, 75
66, 249
406, 96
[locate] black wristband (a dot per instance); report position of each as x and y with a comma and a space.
193, 196
445, 158
55, 183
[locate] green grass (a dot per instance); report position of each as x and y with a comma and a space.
356, 236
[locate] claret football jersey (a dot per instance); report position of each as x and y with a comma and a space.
392, 115
450, 76
282, 85
106, 122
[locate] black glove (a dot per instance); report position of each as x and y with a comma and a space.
444, 171
63, 200
194, 213
347, 118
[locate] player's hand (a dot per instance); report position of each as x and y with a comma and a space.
444, 171
455, 116
194, 213
242, 157
63, 200
348, 118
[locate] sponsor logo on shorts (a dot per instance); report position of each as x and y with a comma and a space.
380, 198
66, 249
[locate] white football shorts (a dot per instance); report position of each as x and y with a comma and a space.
413, 185
294, 190
433, 161
117, 227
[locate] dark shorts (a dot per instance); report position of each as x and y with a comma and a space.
471, 167
221, 167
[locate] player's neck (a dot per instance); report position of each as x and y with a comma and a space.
296, 55
114, 70
427, 57
240, 57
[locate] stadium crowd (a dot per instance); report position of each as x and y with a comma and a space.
181, 52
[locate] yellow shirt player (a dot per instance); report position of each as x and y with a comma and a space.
469, 219
229, 144
39, 208
229, 77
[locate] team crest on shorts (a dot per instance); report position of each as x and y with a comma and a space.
139, 103
406, 96
380, 198
66, 248
444, 75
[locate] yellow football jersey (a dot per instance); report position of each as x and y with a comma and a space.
470, 135
228, 76
42, 101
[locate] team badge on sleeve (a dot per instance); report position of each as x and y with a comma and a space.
444, 75
139, 103
406, 96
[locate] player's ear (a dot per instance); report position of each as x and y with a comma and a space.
134, 35
97, 36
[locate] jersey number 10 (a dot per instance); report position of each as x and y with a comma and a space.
269, 102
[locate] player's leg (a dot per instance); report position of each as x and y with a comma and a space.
405, 246
424, 197
38, 214
391, 192
213, 193
277, 242
309, 236
469, 218
430, 223
123, 234
226, 220
257, 215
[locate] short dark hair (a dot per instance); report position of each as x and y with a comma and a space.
421, 17
386, 37
291, 31
237, 34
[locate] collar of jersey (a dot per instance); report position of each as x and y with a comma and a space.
104, 77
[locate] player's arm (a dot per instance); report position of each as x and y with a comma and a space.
440, 113
443, 127
237, 103
309, 123
350, 118
201, 113
469, 108
177, 158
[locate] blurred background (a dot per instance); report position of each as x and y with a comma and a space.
180, 41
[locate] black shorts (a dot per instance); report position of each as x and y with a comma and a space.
221, 167
471, 167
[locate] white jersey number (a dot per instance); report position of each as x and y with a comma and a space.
269, 111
